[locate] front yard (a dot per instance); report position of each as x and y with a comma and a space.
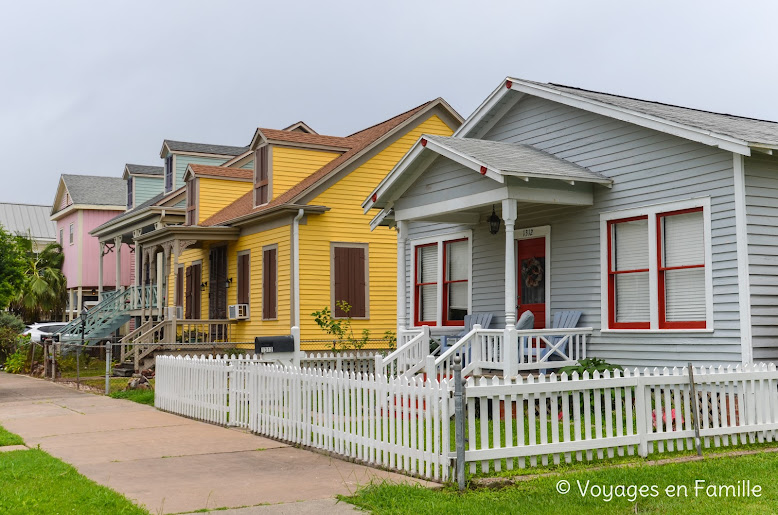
717, 485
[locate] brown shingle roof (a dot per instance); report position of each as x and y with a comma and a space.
304, 138
357, 142
222, 171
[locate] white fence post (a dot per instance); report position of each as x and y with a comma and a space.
298, 354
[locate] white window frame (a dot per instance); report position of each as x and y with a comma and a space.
528, 233
439, 239
653, 275
72, 234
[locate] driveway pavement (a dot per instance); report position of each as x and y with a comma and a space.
171, 464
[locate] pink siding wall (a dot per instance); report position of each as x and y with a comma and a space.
91, 249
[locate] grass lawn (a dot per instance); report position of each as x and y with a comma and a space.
8, 438
540, 495
33, 481
139, 396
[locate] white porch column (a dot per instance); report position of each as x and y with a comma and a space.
100, 273
402, 238
512, 348
141, 273
509, 218
176, 252
160, 271
118, 250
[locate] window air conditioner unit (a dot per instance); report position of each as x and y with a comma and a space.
178, 311
238, 311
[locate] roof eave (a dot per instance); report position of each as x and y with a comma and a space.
255, 216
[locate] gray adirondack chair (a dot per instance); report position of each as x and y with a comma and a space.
562, 320
483, 319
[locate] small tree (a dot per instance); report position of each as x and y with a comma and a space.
12, 266
342, 330
44, 289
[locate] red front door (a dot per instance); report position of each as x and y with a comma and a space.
531, 289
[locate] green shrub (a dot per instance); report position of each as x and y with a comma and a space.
12, 322
18, 358
590, 365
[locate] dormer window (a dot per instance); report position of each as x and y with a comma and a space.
261, 176
129, 193
168, 174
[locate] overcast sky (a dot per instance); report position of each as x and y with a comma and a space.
86, 87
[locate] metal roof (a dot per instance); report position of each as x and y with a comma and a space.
517, 159
28, 220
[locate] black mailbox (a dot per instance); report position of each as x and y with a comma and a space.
264, 344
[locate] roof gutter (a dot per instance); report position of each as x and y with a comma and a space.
296, 266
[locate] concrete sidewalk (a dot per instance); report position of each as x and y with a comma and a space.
171, 464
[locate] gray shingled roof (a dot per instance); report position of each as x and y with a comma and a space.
222, 150
28, 220
519, 159
145, 169
96, 190
746, 129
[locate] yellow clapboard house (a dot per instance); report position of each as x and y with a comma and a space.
278, 232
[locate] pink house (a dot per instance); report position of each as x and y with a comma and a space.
82, 203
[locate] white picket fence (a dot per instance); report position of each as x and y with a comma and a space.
565, 418
362, 361
405, 423
399, 423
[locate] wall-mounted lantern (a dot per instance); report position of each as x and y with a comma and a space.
494, 222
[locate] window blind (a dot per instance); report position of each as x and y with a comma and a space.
630, 253
457, 270
427, 270
683, 246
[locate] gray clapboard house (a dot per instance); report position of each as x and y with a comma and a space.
658, 222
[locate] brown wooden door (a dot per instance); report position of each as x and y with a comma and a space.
189, 295
217, 296
531, 290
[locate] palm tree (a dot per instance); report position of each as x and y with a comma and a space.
45, 288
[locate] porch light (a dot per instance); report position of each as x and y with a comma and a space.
228, 282
203, 286
494, 222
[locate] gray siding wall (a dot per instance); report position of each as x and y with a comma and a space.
761, 174
146, 188
648, 168
182, 161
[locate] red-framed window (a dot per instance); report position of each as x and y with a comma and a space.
455, 281
681, 269
628, 284
426, 285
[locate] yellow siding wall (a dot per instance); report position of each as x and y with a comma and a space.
216, 194
245, 331
292, 165
345, 222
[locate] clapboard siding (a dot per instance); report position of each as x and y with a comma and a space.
182, 161
761, 179
648, 168
147, 187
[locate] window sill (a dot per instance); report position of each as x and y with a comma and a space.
656, 331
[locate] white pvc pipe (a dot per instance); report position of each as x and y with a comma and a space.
296, 266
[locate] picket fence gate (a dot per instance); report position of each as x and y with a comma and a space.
405, 423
